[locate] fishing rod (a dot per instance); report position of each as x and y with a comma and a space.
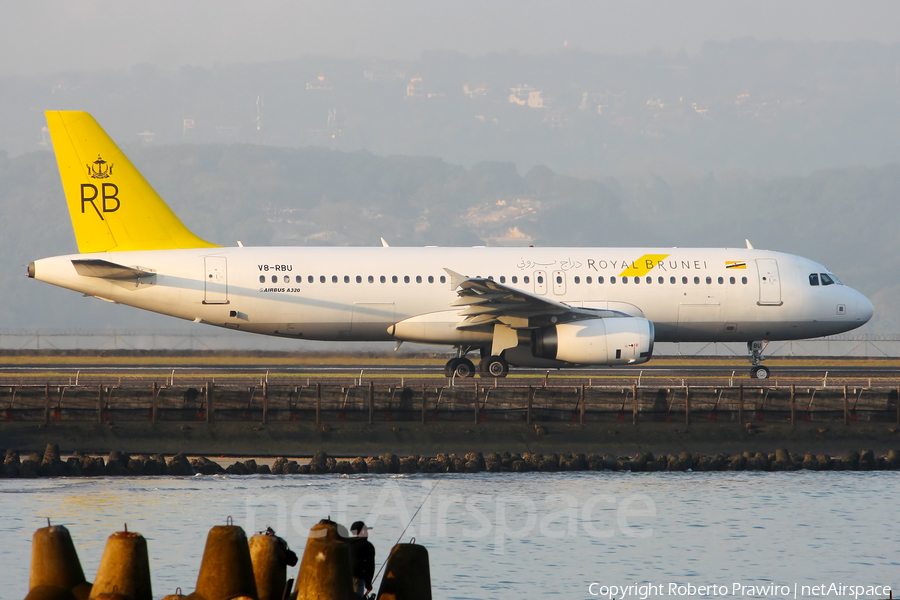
413, 518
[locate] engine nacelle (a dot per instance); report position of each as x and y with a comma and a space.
610, 341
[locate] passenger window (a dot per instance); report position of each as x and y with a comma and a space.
334, 279
394, 279
418, 279
406, 279
515, 279
587, 279
744, 280
600, 279
721, 280
299, 279
274, 278
661, 280
346, 279
731, 280
310, 279
684, 280
696, 280
526, 279
540, 279
490, 277
371, 279
502, 279
577, 279
709, 280
287, 278
671, 280
358, 279
382, 279
443, 279
813, 279
649, 279
431, 279
826, 280
558, 279
612, 279
262, 278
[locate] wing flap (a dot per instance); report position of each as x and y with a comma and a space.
485, 302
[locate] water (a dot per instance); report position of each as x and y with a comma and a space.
531, 535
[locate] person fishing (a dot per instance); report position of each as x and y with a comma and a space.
362, 558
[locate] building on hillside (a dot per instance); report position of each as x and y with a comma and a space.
525, 95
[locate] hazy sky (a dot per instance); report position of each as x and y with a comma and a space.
45, 36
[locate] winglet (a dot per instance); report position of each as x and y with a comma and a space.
384, 243
456, 279
749, 245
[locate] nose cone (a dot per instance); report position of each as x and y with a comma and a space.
864, 309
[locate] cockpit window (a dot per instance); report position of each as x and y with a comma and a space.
813, 279
826, 279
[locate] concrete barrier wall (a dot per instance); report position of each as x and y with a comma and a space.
371, 402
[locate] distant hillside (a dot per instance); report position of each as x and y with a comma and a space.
767, 107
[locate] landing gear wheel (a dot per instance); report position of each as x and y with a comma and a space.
459, 367
759, 372
493, 366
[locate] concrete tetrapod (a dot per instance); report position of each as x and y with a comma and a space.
226, 572
124, 569
325, 567
55, 566
269, 555
407, 575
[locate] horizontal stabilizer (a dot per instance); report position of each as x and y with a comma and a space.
108, 270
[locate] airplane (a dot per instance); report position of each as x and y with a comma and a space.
530, 307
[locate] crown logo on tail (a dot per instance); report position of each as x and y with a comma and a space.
99, 169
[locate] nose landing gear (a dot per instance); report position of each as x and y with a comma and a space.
757, 371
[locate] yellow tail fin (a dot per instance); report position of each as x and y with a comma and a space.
111, 204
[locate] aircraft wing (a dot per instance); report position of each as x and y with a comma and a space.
107, 270
487, 302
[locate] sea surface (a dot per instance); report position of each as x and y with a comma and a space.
529, 535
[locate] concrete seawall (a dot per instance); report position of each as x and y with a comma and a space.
474, 403
369, 419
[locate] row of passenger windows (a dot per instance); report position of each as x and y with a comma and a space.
514, 279
359, 279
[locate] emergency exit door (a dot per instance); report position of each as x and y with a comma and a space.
216, 281
769, 282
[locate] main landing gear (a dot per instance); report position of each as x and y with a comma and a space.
757, 371
488, 366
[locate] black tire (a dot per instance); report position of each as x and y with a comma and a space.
464, 368
450, 367
759, 372
493, 366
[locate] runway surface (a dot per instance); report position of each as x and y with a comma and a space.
820, 374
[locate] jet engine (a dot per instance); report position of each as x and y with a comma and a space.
608, 341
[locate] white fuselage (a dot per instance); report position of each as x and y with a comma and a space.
353, 293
